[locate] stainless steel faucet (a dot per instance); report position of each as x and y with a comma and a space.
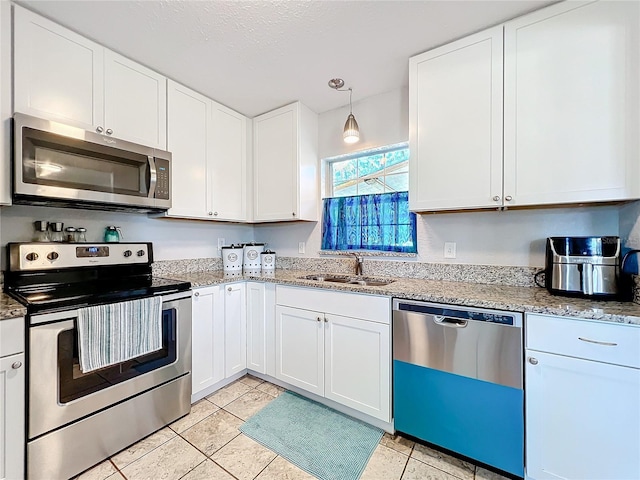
359, 263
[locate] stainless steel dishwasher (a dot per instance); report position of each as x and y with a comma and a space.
457, 380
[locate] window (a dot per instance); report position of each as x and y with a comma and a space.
367, 204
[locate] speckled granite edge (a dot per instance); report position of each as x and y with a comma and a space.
636, 288
10, 308
450, 272
499, 297
168, 267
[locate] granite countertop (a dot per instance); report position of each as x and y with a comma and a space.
10, 308
518, 299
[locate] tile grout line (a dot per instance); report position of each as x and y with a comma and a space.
224, 469
406, 464
267, 465
117, 469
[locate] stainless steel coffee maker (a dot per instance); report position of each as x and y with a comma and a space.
583, 266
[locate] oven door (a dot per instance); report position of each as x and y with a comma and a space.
65, 163
60, 394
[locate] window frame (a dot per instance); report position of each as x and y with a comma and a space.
328, 187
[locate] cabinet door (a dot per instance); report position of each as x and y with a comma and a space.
455, 134
357, 365
275, 153
572, 89
300, 348
207, 339
12, 417
228, 164
189, 120
582, 419
235, 329
58, 74
256, 327
135, 102
6, 113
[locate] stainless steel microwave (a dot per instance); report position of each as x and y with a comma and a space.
59, 165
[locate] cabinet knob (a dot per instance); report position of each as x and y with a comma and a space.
16, 365
197, 294
215, 214
533, 361
109, 131
99, 129
508, 198
496, 198
293, 214
229, 289
210, 213
326, 320
318, 319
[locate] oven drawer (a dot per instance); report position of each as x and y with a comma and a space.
11, 336
606, 342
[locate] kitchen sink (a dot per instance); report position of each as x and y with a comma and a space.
364, 281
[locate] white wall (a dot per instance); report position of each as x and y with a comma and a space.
172, 239
514, 237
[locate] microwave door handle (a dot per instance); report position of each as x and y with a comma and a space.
153, 176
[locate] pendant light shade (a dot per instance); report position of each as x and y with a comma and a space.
351, 133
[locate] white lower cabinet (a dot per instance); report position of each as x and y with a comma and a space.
582, 384
342, 357
261, 327
207, 339
300, 348
12, 387
218, 336
235, 329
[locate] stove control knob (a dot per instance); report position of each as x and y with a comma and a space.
140, 253
53, 256
32, 257
127, 253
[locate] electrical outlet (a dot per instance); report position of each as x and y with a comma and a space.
220, 244
449, 250
301, 247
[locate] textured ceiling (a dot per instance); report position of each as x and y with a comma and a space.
254, 56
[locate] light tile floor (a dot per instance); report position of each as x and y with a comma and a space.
207, 445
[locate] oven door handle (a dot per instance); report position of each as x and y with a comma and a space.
57, 328
153, 176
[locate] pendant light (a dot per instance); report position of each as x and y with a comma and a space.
351, 131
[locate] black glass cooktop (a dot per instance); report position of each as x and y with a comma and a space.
58, 296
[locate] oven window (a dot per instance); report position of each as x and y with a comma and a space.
57, 161
74, 384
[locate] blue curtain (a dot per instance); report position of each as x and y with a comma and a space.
369, 222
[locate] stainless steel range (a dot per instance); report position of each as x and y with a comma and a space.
75, 419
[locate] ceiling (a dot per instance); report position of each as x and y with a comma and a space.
254, 56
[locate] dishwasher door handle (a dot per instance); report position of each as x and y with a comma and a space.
449, 321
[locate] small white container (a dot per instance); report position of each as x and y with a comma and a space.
252, 253
232, 256
268, 261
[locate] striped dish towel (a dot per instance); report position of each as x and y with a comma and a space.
117, 332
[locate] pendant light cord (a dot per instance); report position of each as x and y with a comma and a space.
350, 107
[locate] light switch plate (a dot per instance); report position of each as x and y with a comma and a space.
449, 250
301, 247
220, 244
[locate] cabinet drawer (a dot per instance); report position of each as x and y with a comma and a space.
368, 307
11, 336
614, 343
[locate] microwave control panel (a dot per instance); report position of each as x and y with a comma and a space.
162, 182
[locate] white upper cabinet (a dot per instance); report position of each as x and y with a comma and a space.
58, 73
209, 146
189, 122
571, 95
572, 92
228, 164
286, 164
5, 102
455, 113
62, 76
135, 101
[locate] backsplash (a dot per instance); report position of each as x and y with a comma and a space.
485, 274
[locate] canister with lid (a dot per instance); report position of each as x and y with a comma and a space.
232, 258
252, 253
268, 261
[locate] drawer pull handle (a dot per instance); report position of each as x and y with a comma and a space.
606, 344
